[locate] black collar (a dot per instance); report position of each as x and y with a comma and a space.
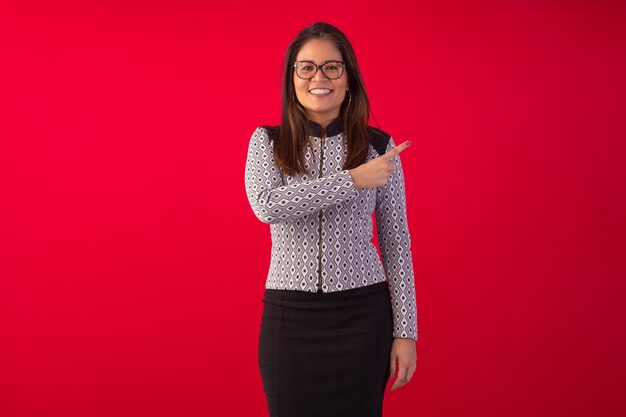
334, 128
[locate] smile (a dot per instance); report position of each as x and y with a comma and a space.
320, 91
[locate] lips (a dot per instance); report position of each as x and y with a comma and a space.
320, 91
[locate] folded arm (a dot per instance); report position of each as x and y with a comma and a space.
272, 201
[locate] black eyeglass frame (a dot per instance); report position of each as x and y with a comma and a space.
342, 65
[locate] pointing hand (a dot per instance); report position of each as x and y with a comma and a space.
376, 172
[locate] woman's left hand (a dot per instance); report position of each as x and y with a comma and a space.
403, 360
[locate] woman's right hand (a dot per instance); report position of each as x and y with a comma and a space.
376, 172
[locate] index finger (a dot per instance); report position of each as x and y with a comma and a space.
396, 150
401, 379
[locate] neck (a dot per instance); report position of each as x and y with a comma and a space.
323, 121
326, 128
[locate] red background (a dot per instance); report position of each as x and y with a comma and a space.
132, 268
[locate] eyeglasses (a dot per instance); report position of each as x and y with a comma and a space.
307, 69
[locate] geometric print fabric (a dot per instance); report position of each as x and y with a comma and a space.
321, 226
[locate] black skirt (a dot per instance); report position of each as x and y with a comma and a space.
326, 354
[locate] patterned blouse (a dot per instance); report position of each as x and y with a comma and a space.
321, 225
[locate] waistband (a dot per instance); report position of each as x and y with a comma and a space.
304, 296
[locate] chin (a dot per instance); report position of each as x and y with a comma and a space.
322, 111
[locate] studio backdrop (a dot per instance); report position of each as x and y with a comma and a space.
132, 268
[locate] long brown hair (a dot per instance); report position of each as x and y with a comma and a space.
290, 138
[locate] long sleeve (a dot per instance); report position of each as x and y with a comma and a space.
272, 201
395, 245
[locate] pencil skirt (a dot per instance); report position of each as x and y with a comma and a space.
326, 354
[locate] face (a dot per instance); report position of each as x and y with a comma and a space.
320, 96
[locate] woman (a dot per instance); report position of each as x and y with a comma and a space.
335, 327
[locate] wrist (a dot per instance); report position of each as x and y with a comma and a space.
353, 177
408, 339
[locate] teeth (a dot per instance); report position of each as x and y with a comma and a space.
320, 91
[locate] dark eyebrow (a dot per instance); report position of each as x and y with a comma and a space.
313, 62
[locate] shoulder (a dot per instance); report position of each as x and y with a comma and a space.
269, 132
379, 139
262, 136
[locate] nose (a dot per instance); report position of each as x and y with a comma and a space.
319, 76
